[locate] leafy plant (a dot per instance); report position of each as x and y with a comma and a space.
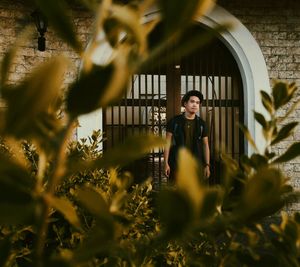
66, 203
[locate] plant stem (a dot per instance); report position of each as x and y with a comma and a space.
57, 174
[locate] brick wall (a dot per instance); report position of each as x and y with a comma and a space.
15, 15
276, 27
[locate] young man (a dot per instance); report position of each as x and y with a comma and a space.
187, 130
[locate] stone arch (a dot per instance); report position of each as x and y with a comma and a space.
249, 58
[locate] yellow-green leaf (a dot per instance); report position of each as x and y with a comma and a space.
16, 214
101, 86
129, 20
292, 152
57, 13
188, 42
175, 211
5, 248
262, 193
85, 94
212, 198
248, 136
178, 14
10, 55
93, 201
258, 161
284, 132
65, 207
131, 149
280, 94
267, 101
260, 119
90, 4
33, 96
188, 178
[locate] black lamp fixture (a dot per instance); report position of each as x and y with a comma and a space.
41, 24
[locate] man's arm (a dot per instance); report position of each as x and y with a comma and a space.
206, 157
166, 153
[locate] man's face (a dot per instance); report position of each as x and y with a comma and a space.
192, 105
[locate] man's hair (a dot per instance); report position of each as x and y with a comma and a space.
187, 96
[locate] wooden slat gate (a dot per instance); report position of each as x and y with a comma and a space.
154, 97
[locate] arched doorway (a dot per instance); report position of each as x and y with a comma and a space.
154, 97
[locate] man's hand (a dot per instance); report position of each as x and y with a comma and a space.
206, 171
167, 169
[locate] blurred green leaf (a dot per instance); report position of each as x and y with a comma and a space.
260, 119
90, 4
16, 214
212, 198
131, 149
296, 216
284, 132
291, 233
292, 152
175, 211
15, 175
98, 242
85, 94
57, 13
65, 207
188, 178
11, 53
5, 247
185, 45
280, 94
267, 101
128, 20
290, 111
33, 96
112, 30
58, 262
292, 88
246, 163
258, 161
178, 14
261, 196
269, 154
101, 86
248, 136
93, 201
231, 168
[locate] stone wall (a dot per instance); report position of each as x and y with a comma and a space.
276, 27
15, 15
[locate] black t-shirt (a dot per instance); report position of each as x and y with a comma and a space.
174, 124
189, 133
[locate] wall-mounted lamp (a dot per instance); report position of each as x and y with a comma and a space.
41, 24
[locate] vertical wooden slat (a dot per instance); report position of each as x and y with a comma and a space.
159, 123
206, 92
132, 105
140, 107
220, 108
120, 138
152, 122
146, 107
126, 114
212, 135
226, 112
146, 114
200, 81
104, 126
112, 127
232, 115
